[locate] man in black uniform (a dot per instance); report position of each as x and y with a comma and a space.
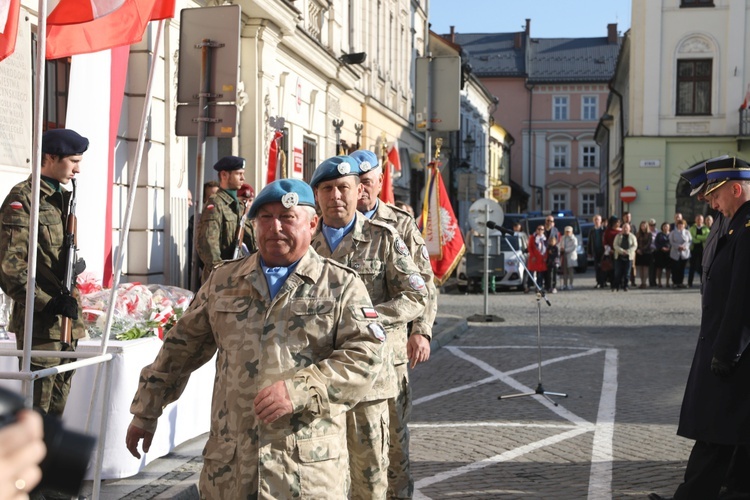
716, 407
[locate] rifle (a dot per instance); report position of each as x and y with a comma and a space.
240, 233
69, 279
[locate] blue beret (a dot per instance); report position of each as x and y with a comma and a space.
721, 170
367, 160
333, 168
63, 142
290, 192
229, 163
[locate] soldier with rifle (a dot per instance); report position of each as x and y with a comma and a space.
57, 325
221, 219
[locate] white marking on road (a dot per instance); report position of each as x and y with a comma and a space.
600, 478
492, 424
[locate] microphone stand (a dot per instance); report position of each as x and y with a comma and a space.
540, 294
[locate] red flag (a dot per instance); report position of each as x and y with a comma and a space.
81, 11
386, 193
393, 157
440, 228
9, 28
273, 158
747, 99
123, 26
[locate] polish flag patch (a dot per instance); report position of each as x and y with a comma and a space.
210, 207
16, 205
370, 313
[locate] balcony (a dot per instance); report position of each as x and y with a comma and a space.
745, 122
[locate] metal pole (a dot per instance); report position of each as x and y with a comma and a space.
486, 259
200, 153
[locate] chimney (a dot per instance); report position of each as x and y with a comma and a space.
453, 34
612, 33
528, 27
518, 41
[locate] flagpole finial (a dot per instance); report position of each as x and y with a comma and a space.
438, 145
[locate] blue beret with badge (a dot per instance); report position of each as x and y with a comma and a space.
334, 168
290, 192
229, 164
367, 160
64, 142
721, 170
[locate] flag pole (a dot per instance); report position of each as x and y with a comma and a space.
28, 384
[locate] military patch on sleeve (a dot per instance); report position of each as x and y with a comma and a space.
370, 313
377, 331
425, 253
16, 205
210, 207
401, 247
416, 282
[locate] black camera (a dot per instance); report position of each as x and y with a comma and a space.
68, 452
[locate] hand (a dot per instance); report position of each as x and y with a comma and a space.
721, 368
21, 451
418, 349
134, 436
273, 402
63, 305
79, 267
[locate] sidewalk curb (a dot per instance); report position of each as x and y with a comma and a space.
455, 328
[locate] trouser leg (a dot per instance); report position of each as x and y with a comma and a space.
368, 439
400, 481
706, 469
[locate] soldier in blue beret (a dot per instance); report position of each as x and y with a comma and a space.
715, 410
297, 343
416, 349
62, 151
397, 290
223, 233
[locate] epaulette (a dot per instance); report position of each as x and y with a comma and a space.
384, 225
400, 211
338, 264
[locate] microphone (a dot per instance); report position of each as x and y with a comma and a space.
497, 227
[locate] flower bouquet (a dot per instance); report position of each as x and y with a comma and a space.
140, 310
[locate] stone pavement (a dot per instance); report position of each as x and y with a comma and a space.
622, 358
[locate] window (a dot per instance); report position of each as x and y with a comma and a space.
697, 3
56, 88
559, 202
560, 108
588, 204
588, 108
309, 157
589, 156
694, 86
560, 156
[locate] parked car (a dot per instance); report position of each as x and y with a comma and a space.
560, 223
503, 263
510, 219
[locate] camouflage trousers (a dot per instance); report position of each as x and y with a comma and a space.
50, 393
367, 440
400, 481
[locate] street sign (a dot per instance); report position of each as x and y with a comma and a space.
220, 25
501, 193
628, 194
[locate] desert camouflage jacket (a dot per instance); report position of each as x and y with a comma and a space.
406, 226
217, 231
315, 335
382, 260
14, 258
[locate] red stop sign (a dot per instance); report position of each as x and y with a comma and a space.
628, 194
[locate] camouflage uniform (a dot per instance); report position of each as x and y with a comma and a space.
381, 258
400, 482
50, 393
217, 231
313, 335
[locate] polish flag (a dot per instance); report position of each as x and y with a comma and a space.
393, 157
273, 158
9, 12
747, 98
386, 192
101, 24
440, 229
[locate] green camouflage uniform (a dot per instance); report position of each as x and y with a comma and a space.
50, 393
217, 231
400, 482
313, 335
397, 291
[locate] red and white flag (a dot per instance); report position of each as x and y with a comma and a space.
273, 158
393, 157
440, 229
9, 12
85, 26
386, 192
747, 98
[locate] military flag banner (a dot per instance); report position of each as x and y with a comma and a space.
440, 229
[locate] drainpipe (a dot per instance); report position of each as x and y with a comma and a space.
622, 132
538, 189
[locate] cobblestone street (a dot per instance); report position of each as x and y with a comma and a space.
623, 360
